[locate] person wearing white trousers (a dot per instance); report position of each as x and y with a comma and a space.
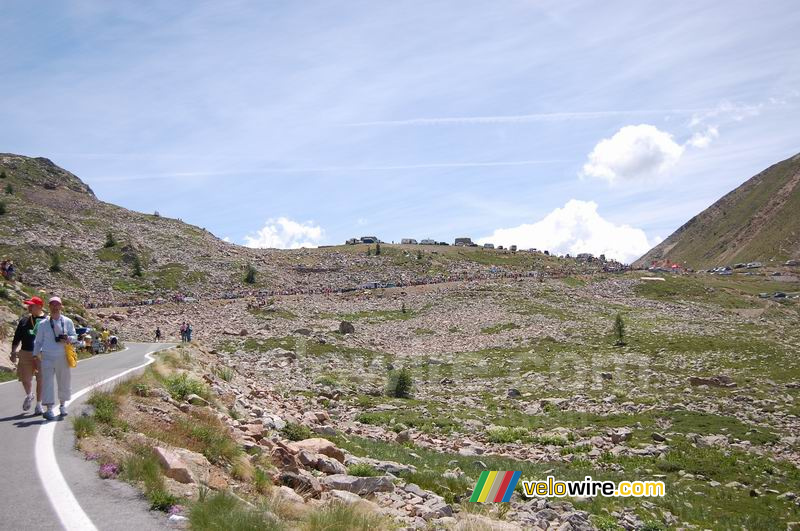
52, 334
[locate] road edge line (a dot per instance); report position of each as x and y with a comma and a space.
62, 499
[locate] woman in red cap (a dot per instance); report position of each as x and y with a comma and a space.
27, 365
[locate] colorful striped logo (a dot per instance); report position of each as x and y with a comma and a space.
494, 486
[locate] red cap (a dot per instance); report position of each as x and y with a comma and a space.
34, 301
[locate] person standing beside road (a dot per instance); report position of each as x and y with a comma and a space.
27, 365
53, 334
158, 334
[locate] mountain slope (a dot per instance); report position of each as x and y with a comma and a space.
49, 211
759, 220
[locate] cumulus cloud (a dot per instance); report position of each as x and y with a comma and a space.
284, 233
635, 152
576, 228
703, 139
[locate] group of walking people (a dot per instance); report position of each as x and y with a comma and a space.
186, 332
39, 349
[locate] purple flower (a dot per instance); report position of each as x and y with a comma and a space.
176, 509
109, 471
92, 457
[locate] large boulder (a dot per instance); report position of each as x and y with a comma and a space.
358, 485
713, 381
318, 445
346, 327
174, 467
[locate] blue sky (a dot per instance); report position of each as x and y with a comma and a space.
573, 126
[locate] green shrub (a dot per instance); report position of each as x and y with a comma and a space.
55, 262
137, 267
619, 330
84, 426
2, 208
296, 432
250, 274
9, 189
400, 384
363, 470
110, 241
180, 386
341, 517
224, 511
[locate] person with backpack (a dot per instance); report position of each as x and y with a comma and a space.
52, 335
27, 366
158, 334
183, 332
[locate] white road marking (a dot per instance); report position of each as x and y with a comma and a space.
63, 501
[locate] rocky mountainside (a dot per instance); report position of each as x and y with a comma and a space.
50, 214
758, 221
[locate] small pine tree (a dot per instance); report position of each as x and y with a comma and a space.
2, 208
619, 330
369, 251
377, 249
419, 255
55, 263
401, 384
9, 189
3, 174
250, 274
137, 267
110, 241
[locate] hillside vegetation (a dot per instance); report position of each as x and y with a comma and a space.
758, 221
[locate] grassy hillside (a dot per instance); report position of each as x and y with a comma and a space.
49, 215
759, 220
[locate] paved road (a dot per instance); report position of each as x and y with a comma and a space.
24, 503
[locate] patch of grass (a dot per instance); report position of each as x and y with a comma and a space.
423, 332
143, 468
498, 328
84, 426
296, 432
363, 470
378, 315
504, 434
272, 313
105, 406
345, 517
225, 373
7, 376
208, 435
261, 480
180, 386
224, 511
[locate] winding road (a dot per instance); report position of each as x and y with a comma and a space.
49, 485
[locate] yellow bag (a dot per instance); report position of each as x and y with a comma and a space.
72, 358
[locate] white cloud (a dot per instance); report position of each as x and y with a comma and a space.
227, 239
576, 228
635, 152
284, 233
704, 139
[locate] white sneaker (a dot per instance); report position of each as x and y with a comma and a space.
63, 411
26, 405
38, 409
